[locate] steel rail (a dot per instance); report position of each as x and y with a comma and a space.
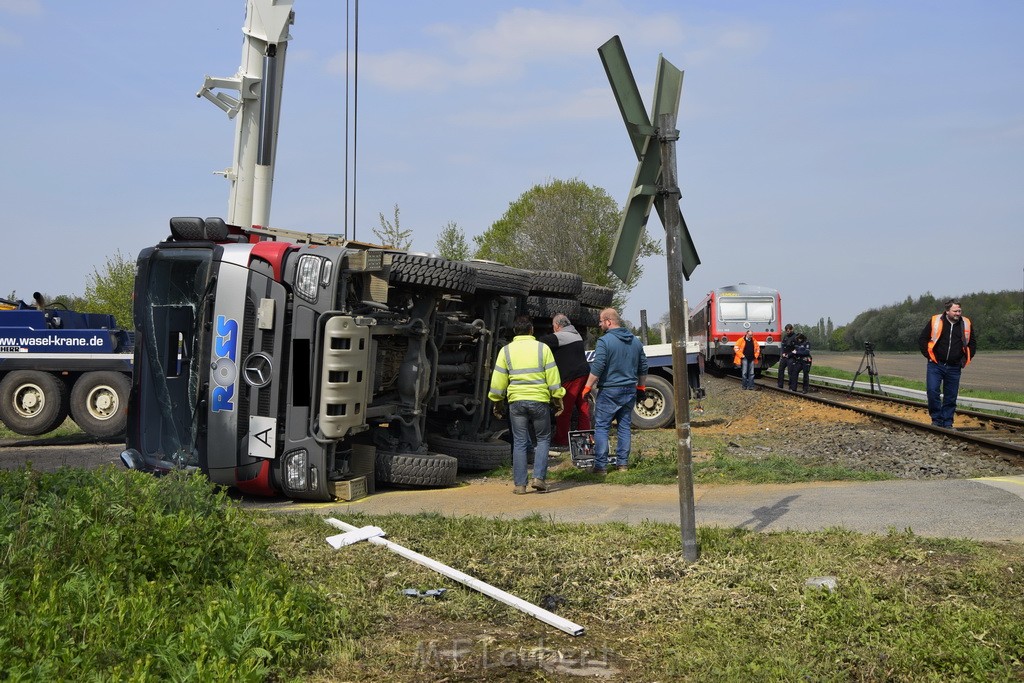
1003, 446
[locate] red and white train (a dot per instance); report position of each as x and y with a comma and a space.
725, 315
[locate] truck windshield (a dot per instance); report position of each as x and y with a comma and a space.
178, 282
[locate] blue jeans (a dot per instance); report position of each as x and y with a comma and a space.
521, 416
613, 403
943, 382
748, 373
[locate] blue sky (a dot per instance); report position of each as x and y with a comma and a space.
848, 154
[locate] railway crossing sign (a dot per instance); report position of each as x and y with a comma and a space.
645, 190
655, 184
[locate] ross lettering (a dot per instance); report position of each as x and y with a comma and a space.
227, 337
220, 398
222, 371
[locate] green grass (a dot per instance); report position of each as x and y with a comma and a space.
67, 428
116, 575
825, 371
905, 608
113, 575
655, 460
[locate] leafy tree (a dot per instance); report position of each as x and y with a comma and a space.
451, 243
111, 291
562, 225
392, 234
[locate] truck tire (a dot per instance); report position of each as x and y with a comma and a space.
432, 272
473, 456
556, 282
99, 403
411, 469
596, 295
497, 277
33, 402
587, 317
548, 306
658, 409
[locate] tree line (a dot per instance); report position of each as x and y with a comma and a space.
998, 318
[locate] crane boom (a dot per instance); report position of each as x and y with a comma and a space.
256, 110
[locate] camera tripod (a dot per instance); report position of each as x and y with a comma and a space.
867, 362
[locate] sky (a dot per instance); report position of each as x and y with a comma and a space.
848, 154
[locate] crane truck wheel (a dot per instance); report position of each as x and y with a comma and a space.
657, 409
99, 403
33, 402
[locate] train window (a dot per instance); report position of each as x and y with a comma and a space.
733, 310
760, 311
755, 311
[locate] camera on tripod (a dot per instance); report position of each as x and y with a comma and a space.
869, 348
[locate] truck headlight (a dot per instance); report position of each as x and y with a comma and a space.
307, 277
296, 464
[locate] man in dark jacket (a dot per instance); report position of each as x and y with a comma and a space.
786, 347
948, 342
571, 358
620, 371
800, 361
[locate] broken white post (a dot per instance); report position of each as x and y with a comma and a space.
476, 584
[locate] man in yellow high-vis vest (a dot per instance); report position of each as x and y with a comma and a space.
525, 374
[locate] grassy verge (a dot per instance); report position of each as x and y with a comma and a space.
115, 575
112, 575
655, 461
824, 371
67, 428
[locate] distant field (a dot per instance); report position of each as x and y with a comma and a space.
995, 371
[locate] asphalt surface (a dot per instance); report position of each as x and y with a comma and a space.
989, 509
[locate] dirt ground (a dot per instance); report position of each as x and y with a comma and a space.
995, 371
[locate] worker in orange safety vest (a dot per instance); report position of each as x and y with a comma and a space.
948, 341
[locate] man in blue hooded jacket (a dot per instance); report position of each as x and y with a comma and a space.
619, 370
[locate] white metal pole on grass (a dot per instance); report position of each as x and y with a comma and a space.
467, 580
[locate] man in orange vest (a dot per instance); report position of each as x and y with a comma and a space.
948, 342
746, 353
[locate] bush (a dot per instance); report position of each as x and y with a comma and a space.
117, 575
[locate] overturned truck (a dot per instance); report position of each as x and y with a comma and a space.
266, 357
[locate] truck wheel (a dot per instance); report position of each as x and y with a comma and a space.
497, 277
432, 272
658, 408
473, 456
32, 402
547, 307
587, 317
596, 295
411, 469
99, 403
556, 282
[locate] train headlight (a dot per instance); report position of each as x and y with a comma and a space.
769, 339
296, 465
307, 276
724, 339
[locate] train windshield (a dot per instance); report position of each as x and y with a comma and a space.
754, 310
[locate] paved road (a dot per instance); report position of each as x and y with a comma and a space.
980, 509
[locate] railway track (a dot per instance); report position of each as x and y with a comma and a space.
1003, 434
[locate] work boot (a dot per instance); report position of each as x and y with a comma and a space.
622, 468
539, 484
519, 490
599, 471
